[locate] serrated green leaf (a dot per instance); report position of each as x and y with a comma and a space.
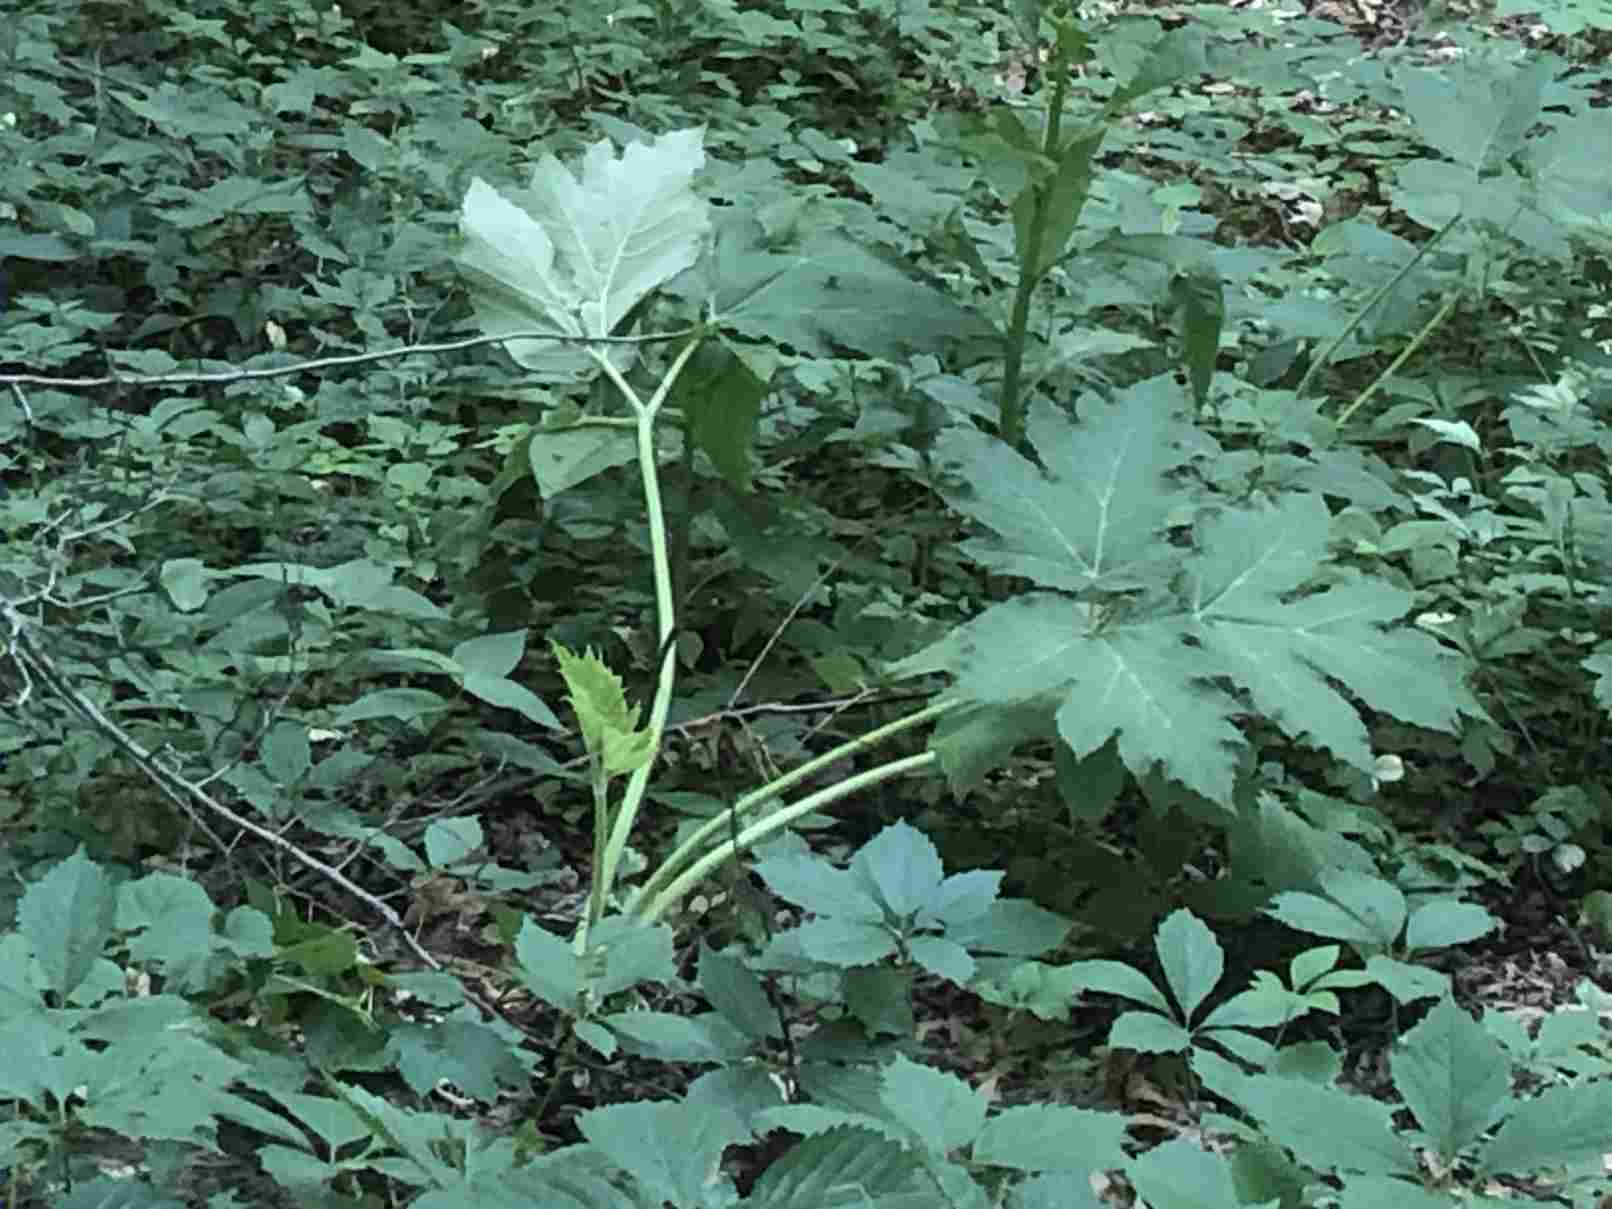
809, 881
734, 990
1287, 651
942, 1111
609, 725
1148, 1033
1565, 1125
942, 958
1183, 1175
829, 294
67, 917
1144, 684
964, 898
1326, 1128
676, 1154
839, 1166
1405, 982
1014, 926
1357, 908
1117, 978
1259, 1008
1093, 518
174, 921
1445, 922
1453, 1076
671, 1037
900, 868
1191, 958
580, 250
493, 655
548, 967
1045, 1137
449, 841
838, 941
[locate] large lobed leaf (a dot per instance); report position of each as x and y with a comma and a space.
1164, 646
576, 251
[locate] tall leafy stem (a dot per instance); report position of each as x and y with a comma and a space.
574, 259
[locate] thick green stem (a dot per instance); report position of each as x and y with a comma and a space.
604, 873
653, 909
1428, 328
693, 850
1010, 408
1387, 287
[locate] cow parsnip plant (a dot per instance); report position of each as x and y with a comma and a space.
188, 241
1163, 616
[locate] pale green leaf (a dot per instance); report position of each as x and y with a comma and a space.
575, 252
1117, 978
1358, 908
939, 1108
492, 655
562, 460
840, 1166
449, 841
1406, 982
506, 694
1045, 1137
1564, 1125
1444, 922
840, 941
1148, 1033
900, 868
1094, 516
676, 1154
548, 967
1183, 1175
597, 695
1453, 1076
1191, 958
1325, 1127
67, 918
942, 958
673, 1037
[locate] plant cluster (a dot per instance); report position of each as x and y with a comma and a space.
481, 493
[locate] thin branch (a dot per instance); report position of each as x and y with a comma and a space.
183, 793
323, 363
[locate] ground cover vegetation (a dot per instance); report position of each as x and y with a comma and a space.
804, 603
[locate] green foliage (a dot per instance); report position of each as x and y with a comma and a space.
1143, 633
1304, 630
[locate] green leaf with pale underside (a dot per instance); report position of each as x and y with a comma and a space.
1158, 644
